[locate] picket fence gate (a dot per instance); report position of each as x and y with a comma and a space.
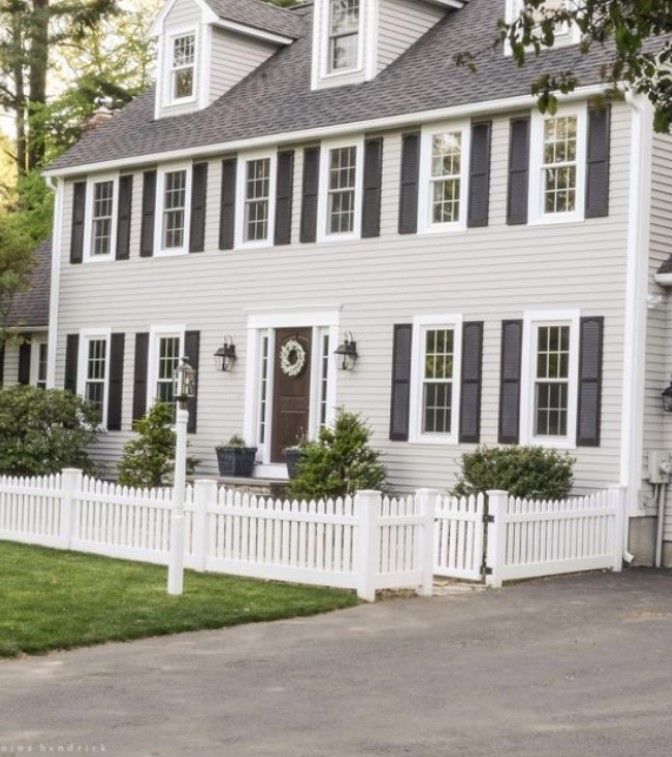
366, 542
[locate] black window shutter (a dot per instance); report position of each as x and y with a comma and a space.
227, 206
283, 197
140, 376
519, 171
401, 382
479, 175
199, 195
24, 362
2, 365
148, 211
311, 182
509, 389
71, 358
472, 370
373, 179
597, 162
124, 217
590, 382
78, 215
192, 345
408, 189
114, 396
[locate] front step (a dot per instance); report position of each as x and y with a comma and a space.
261, 487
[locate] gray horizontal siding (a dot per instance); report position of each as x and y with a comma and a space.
486, 274
400, 24
233, 58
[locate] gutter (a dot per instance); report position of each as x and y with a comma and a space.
454, 112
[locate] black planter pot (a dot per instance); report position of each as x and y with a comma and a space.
292, 457
236, 461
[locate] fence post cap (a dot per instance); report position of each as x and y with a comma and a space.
369, 492
72, 471
497, 493
427, 490
205, 482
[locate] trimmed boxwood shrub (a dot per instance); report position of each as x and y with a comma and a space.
44, 431
532, 472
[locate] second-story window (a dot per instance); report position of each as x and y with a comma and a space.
559, 160
257, 199
343, 49
174, 209
101, 218
446, 177
342, 186
183, 64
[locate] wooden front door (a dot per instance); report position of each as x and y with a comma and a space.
291, 393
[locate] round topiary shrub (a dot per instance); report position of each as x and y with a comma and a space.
532, 472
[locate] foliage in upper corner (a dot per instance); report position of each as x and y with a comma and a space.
523, 471
43, 432
628, 28
340, 462
149, 459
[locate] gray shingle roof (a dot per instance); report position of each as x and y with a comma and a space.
277, 97
31, 309
260, 15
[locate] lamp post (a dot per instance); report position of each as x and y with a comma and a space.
185, 377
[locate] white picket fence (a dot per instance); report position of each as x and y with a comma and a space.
366, 542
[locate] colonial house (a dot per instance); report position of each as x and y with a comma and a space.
321, 192
23, 359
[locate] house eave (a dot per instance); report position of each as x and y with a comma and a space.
251, 31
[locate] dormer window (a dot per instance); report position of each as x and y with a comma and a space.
183, 63
343, 35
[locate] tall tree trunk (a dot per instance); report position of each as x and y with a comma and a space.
39, 64
19, 93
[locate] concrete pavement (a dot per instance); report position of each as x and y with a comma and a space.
566, 666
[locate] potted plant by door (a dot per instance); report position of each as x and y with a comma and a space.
235, 458
293, 456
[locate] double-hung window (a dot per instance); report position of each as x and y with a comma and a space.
165, 351
550, 374
182, 67
38, 363
255, 212
442, 204
435, 372
101, 211
557, 164
93, 370
564, 33
172, 218
340, 196
343, 34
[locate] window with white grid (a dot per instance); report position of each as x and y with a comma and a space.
168, 358
560, 164
551, 389
96, 374
174, 209
41, 382
183, 64
342, 190
102, 213
437, 380
257, 200
446, 182
343, 50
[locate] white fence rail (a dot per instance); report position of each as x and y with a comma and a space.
366, 542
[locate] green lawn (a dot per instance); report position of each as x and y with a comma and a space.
58, 600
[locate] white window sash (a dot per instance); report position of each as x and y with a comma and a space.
159, 249
85, 337
169, 70
532, 320
88, 256
325, 72
156, 333
323, 234
568, 35
35, 345
426, 180
241, 195
421, 324
537, 190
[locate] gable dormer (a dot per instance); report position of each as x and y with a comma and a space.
205, 47
354, 40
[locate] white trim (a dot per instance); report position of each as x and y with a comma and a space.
536, 212
533, 319
251, 31
166, 73
35, 344
86, 336
157, 27
204, 71
159, 250
454, 112
420, 324
290, 319
54, 290
569, 36
323, 191
87, 256
637, 262
425, 224
155, 334
239, 228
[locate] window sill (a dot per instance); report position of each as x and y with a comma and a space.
171, 253
444, 440
549, 442
261, 244
98, 258
559, 218
351, 236
447, 228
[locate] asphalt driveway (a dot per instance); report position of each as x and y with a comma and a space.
567, 666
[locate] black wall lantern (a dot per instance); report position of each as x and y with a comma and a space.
666, 397
225, 357
348, 352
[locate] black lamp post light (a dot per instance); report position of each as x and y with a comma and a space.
225, 357
347, 350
